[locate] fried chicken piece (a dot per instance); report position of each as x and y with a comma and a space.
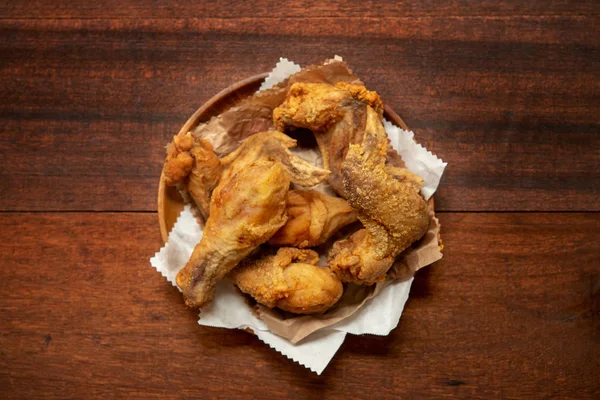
390, 207
290, 280
273, 145
192, 164
335, 114
246, 209
313, 217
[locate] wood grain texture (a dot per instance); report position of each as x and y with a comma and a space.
513, 310
511, 102
506, 91
293, 9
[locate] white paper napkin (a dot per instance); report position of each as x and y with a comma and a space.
283, 69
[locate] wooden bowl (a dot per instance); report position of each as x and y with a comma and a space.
170, 202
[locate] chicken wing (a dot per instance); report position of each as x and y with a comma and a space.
336, 115
313, 217
246, 209
290, 280
192, 164
390, 207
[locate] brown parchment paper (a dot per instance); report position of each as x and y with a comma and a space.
254, 115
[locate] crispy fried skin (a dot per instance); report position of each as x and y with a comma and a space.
273, 145
289, 280
191, 162
403, 175
392, 210
313, 217
246, 209
336, 114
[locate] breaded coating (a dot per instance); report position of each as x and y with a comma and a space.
191, 162
313, 218
290, 280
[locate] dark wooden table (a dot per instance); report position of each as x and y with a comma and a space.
508, 92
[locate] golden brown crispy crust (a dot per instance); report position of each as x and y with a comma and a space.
361, 93
313, 106
359, 258
179, 161
403, 175
289, 280
191, 162
313, 218
245, 211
